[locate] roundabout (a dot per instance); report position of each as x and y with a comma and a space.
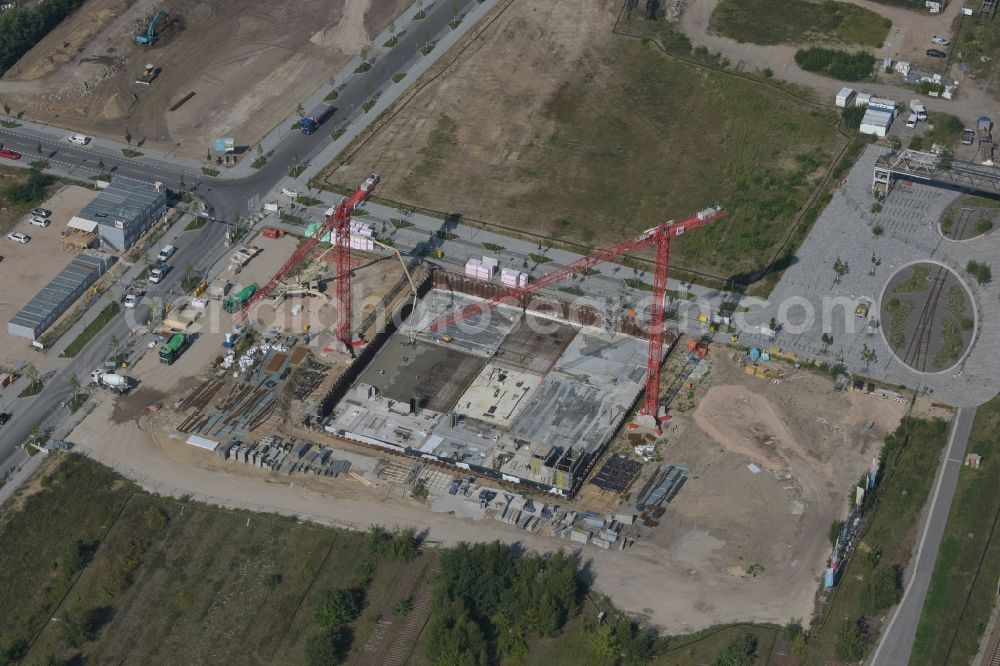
928, 319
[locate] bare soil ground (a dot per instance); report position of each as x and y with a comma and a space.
248, 62
25, 269
767, 530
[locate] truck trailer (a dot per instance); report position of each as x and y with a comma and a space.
174, 347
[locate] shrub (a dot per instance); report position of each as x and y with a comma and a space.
740, 651
835, 63
850, 641
337, 607
882, 590
980, 271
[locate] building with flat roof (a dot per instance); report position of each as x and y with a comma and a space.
123, 212
58, 295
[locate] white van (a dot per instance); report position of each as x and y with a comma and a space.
911, 122
79, 139
166, 252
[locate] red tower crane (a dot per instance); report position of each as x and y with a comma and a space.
339, 223
660, 236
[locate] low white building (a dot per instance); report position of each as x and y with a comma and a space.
876, 121
844, 97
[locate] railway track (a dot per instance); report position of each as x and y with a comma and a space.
964, 218
916, 351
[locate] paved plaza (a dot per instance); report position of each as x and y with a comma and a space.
809, 301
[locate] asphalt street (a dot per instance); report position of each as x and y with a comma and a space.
897, 640
223, 198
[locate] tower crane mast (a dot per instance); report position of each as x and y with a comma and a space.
339, 224
659, 236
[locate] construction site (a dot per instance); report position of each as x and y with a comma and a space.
177, 75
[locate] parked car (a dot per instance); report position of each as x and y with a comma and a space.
157, 274
4, 417
38, 221
166, 252
41, 212
79, 139
18, 237
9, 154
911, 122
131, 300
941, 41
935, 53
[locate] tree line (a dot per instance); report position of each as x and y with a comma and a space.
23, 27
488, 599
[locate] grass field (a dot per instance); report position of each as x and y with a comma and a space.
13, 210
559, 160
722, 130
798, 22
963, 585
124, 573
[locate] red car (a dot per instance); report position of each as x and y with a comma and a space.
10, 154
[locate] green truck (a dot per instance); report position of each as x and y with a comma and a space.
177, 343
235, 303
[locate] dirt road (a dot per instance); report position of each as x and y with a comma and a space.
908, 38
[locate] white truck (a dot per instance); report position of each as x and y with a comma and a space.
918, 109
110, 381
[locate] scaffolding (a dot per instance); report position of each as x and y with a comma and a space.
940, 169
77, 240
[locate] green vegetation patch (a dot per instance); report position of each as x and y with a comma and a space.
915, 282
835, 63
962, 591
738, 143
488, 599
797, 22
196, 223
945, 130
952, 344
909, 461
899, 312
81, 341
79, 500
979, 44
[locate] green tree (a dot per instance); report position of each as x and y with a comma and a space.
128, 137
300, 111
839, 268
31, 372
72, 557
741, 651
827, 340
868, 356
13, 650
454, 639
336, 607
77, 627
325, 647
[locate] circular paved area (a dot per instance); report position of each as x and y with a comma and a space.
927, 317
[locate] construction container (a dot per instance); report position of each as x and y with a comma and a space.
472, 267
271, 232
362, 242
579, 535
509, 276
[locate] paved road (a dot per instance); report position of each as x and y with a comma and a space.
224, 197
897, 640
